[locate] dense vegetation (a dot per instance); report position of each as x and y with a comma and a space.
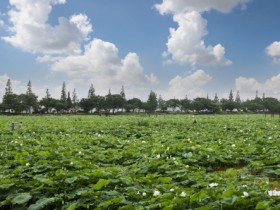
137, 162
28, 103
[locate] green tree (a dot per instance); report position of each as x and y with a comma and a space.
8, 89
254, 105
173, 103
59, 105
86, 104
29, 88
230, 97
117, 102
185, 104
30, 99
100, 103
237, 101
108, 101
48, 95
63, 96
152, 102
216, 99
122, 93
91, 91
162, 104
10, 102
271, 104
197, 105
237, 98
47, 102
68, 101
133, 104
75, 100
9, 98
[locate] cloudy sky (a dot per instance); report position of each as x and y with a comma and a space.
173, 47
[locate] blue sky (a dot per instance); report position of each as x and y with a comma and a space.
174, 47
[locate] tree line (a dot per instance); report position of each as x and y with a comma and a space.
28, 103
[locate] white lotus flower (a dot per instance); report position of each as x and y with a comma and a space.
144, 194
183, 194
273, 193
158, 156
213, 184
245, 194
156, 193
27, 164
171, 190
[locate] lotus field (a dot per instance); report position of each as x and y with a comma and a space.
140, 162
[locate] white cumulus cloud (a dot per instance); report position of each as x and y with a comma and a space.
273, 50
249, 86
68, 48
191, 85
100, 64
31, 32
178, 6
186, 43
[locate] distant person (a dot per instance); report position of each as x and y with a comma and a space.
13, 126
20, 125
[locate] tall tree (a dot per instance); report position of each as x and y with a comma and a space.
257, 94
152, 102
69, 101
216, 99
230, 97
75, 100
63, 96
161, 104
263, 96
237, 98
122, 93
48, 95
47, 102
8, 89
10, 101
29, 88
91, 91
108, 101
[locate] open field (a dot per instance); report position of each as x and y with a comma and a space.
137, 162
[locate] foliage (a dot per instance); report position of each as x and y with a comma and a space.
137, 162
